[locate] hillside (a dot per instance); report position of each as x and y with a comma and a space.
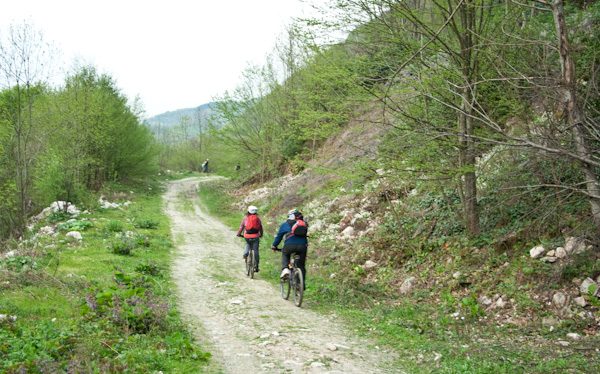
169, 119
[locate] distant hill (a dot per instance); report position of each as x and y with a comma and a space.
169, 119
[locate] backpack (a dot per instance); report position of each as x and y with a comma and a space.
252, 224
299, 229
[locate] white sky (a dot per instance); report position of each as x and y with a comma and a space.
174, 54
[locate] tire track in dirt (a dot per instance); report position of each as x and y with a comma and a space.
248, 327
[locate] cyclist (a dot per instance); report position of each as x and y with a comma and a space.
292, 244
252, 228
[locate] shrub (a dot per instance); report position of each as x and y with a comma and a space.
75, 225
144, 223
114, 226
122, 245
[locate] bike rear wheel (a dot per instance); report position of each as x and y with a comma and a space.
298, 286
250, 264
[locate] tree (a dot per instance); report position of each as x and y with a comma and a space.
25, 61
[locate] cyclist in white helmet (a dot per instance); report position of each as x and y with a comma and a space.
252, 230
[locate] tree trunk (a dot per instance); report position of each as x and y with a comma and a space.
467, 165
574, 114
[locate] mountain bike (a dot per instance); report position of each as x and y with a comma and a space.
250, 267
250, 263
294, 283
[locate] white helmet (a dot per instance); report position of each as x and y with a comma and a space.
292, 214
252, 209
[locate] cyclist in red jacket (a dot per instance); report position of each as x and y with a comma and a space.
252, 229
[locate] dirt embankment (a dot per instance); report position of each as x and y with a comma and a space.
248, 326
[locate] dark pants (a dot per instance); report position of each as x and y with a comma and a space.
254, 243
286, 253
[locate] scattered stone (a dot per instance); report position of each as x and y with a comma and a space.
536, 252
580, 301
348, 233
10, 254
437, 356
549, 259
457, 275
75, 235
408, 285
236, 302
484, 300
334, 275
574, 336
559, 300
500, 303
563, 343
264, 336
316, 364
561, 252
549, 321
585, 287
331, 347
575, 245
370, 264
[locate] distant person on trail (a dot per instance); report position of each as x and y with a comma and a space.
205, 166
252, 229
295, 231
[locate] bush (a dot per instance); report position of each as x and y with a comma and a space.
114, 226
75, 225
123, 245
144, 223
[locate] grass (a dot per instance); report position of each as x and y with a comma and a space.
56, 319
442, 328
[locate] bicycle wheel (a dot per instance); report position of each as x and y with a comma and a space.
250, 264
298, 286
285, 287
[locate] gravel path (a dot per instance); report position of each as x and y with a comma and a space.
248, 326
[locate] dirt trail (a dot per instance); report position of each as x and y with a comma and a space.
249, 327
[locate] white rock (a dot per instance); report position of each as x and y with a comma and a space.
75, 235
548, 259
407, 285
500, 303
563, 343
559, 299
334, 275
549, 321
536, 252
585, 287
486, 301
331, 347
370, 264
575, 245
561, 252
348, 233
574, 336
456, 275
551, 253
580, 301
317, 364
10, 254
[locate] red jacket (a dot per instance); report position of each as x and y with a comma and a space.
250, 236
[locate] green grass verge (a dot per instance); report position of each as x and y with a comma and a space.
102, 305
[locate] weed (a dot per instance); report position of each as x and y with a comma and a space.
75, 225
114, 226
145, 223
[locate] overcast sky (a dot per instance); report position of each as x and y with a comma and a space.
174, 54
